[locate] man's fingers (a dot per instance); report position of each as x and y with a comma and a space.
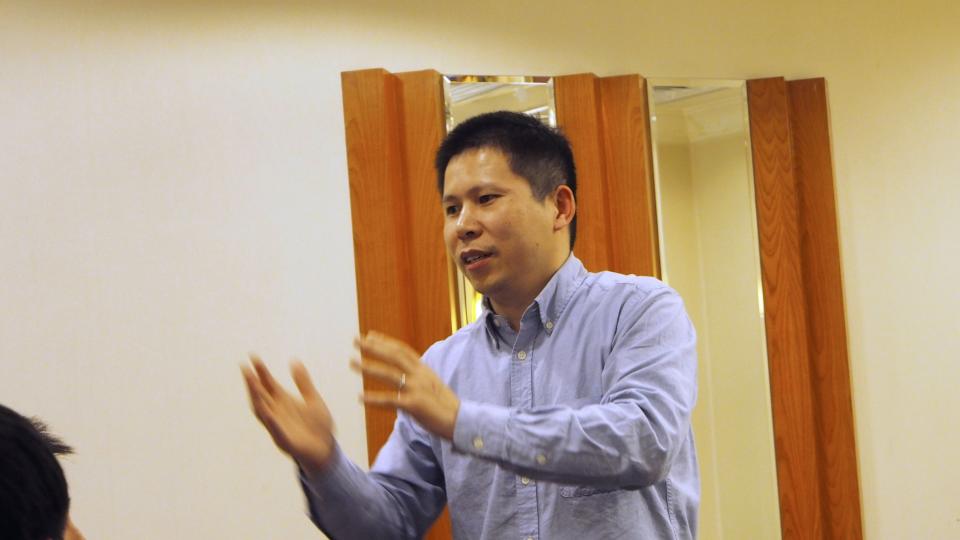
263, 408
387, 349
382, 399
378, 371
266, 378
260, 400
302, 379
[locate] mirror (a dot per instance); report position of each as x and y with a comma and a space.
709, 252
466, 96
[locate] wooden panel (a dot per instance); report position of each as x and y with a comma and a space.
423, 131
628, 176
578, 115
394, 124
825, 314
785, 318
375, 166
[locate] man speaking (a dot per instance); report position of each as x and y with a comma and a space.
562, 412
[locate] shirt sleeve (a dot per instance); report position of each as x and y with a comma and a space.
400, 497
632, 436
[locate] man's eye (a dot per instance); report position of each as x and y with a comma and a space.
486, 198
450, 210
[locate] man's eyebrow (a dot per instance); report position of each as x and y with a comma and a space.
451, 198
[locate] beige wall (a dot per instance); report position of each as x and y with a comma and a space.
174, 195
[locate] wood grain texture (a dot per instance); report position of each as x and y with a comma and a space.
631, 211
820, 247
785, 315
423, 131
421, 104
375, 168
394, 124
577, 100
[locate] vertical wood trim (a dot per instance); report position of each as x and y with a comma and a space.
785, 317
375, 166
628, 175
577, 99
423, 131
839, 482
394, 124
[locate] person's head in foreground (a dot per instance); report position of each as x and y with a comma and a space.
34, 502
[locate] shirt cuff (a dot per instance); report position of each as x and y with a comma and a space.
481, 430
334, 480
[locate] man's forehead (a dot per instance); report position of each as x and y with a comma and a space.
489, 160
480, 154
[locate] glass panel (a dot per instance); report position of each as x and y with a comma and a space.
466, 96
710, 254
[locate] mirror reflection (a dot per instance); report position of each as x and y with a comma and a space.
466, 96
709, 253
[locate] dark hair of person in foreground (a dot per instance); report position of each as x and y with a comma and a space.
34, 502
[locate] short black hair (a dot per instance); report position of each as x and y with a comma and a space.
34, 502
536, 152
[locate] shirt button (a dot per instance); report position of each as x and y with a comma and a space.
529, 538
524, 480
549, 325
477, 443
522, 355
496, 322
541, 459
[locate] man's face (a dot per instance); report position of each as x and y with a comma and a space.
502, 238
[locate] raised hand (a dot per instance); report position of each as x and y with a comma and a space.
302, 428
420, 392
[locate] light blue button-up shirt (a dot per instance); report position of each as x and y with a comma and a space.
577, 426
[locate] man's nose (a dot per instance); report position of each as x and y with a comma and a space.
467, 225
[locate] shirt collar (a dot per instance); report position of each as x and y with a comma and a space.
551, 301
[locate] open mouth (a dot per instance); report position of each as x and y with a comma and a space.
472, 257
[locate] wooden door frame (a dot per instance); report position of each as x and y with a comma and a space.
818, 482
394, 124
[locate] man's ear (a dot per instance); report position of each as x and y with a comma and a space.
566, 206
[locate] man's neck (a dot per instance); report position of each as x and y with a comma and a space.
513, 313
516, 305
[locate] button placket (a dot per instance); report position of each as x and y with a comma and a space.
521, 382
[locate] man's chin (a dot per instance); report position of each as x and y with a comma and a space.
478, 286
482, 286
